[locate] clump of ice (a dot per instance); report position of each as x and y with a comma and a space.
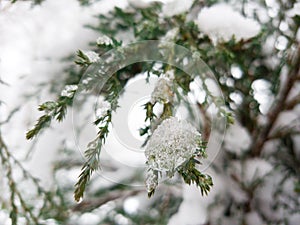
162, 92
221, 23
69, 91
172, 143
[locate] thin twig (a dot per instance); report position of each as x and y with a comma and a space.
91, 204
206, 122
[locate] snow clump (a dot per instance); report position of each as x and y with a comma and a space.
221, 23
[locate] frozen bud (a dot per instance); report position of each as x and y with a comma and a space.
91, 56
172, 143
151, 180
104, 40
69, 91
162, 91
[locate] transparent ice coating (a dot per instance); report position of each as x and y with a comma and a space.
171, 144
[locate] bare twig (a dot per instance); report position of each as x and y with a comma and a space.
91, 204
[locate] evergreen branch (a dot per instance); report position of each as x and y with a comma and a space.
14, 192
93, 151
92, 163
92, 155
9, 162
42, 123
53, 110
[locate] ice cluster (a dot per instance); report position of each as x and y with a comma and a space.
172, 143
162, 92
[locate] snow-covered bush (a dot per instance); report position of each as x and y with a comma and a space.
253, 50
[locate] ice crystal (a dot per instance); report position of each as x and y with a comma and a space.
92, 56
172, 143
69, 91
104, 40
163, 90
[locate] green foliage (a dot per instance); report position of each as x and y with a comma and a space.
92, 155
191, 175
53, 110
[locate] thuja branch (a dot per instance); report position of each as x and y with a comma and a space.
17, 200
53, 110
19, 205
92, 154
191, 175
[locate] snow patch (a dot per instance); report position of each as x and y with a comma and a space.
221, 23
237, 139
